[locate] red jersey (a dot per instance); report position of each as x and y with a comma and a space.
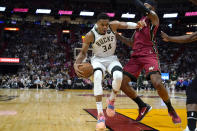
144, 39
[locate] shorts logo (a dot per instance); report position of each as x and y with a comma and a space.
151, 68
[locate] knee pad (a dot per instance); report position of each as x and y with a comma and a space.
98, 90
117, 80
116, 68
192, 115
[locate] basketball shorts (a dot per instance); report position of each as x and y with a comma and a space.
135, 65
105, 63
191, 92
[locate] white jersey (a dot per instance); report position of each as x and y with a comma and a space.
104, 45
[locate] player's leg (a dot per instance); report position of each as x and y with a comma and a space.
131, 71
191, 117
191, 104
98, 92
152, 69
115, 69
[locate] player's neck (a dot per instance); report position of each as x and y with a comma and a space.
97, 30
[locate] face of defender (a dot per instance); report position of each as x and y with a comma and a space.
103, 25
149, 6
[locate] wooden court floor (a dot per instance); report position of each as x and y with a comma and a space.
51, 110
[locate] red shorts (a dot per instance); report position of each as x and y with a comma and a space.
135, 65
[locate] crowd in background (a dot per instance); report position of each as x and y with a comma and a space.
47, 58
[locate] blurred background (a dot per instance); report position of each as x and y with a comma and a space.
39, 41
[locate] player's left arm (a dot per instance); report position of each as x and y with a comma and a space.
154, 18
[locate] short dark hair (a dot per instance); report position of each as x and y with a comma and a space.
152, 3
102, 16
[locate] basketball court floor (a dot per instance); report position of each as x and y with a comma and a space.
75, 110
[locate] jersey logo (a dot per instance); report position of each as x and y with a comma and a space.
108, 31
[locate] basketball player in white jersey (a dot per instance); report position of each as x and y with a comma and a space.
103, 40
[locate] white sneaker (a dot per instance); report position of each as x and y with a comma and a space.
100, 126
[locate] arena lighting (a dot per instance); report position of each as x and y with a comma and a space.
20, 9
43, 11
9, 60
111, 14
194, 25
189, 33
65, 12
66, 31
171, 15
11, 29
2, 8
127, 15
191, 13
85, 13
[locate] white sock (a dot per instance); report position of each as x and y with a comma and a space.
99, 106
112, 96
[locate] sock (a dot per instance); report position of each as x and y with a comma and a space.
191, 120
99, 106
139, 102
112, 96
169, 105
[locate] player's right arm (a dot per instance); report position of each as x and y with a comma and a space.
179, 39
127, 41
150, 13
194, 1
89, 38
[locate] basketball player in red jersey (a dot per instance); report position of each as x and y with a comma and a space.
145, 56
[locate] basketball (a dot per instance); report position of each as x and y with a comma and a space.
87, 69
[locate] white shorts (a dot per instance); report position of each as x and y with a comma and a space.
105, 63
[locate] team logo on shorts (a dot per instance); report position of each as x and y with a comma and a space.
151, 68
108, 31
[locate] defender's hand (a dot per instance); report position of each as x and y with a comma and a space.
141, 24
164, 36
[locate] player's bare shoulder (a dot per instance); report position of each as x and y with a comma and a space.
114, 25
89, 37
